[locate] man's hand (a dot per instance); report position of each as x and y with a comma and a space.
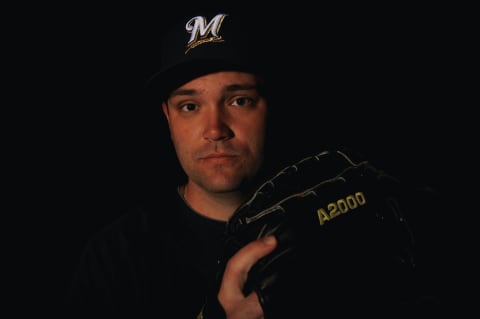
230, 295
332, 205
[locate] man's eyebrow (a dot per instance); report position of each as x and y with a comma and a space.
189, 92
228, 88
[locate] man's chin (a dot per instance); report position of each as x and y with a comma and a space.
224, 183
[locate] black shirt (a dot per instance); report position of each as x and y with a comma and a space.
160, 261
157, 260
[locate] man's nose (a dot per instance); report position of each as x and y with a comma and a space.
217, 127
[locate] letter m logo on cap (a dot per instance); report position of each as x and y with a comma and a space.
201, 32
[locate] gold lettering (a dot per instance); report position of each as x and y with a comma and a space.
352, 203
341, 206
322, 216
333, 210
360, 198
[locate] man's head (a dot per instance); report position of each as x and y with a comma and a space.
212, 91
206, 42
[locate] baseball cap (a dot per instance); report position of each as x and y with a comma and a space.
207, 42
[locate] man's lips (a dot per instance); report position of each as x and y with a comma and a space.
219, 158
217, 155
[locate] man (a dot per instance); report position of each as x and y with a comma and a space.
162, 258
214, 90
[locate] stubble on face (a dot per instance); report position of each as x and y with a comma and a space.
228, 164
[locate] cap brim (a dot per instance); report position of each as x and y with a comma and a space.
164, 82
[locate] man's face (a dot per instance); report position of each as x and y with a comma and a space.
218, 125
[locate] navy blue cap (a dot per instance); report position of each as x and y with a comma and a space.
205, 43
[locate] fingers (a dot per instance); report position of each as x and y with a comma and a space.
236, 273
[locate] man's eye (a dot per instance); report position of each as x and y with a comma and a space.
241, 101
188, 107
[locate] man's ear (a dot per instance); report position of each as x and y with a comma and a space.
165, 111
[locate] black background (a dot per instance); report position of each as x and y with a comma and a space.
387, 80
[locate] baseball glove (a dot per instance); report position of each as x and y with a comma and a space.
342, 238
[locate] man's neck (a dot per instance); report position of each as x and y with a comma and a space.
219, 206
